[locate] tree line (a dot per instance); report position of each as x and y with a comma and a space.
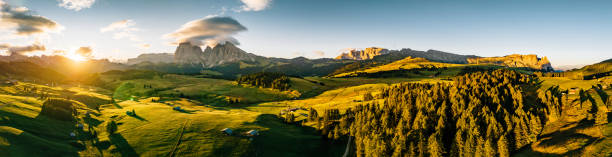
266, 80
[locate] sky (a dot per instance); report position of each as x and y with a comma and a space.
567, 32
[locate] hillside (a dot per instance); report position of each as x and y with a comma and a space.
22, 70
597, 70
154, 130
408, 64
588, 72
570, 132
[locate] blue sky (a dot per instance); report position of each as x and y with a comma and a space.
567, 32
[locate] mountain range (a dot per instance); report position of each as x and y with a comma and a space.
186, 53
228, 61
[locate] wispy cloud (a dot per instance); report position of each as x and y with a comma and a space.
210, 31
76, 5
21, 21
254, 5
122, 29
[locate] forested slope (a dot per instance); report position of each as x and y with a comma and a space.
482, 114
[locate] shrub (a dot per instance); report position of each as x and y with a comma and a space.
57, 108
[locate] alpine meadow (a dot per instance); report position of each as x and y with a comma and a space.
282, 78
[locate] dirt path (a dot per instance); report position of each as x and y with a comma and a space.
178, 142
348, 147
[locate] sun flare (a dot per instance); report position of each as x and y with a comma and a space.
76, 57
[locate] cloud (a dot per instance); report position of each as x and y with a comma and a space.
22, 50
210, 31
254, 5
319, 53
84, 51
76, 5
22, 21
122, 29
119, 25
144, 46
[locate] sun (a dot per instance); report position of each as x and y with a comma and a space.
76, 57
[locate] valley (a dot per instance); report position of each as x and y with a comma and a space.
316, 78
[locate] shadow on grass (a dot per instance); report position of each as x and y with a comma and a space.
41, 135
117, 106
561, 138
92, 121
123, 146
187, 111
282, 139
138, 117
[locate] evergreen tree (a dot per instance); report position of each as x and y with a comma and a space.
111, 127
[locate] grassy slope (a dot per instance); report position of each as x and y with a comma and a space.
161, 131
23, 132
574, 134
342, 97
157, 130
566, 83
207, 90
407, 63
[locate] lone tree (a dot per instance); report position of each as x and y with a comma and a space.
368, 96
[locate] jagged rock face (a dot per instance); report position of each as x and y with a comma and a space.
187, 53
153, 58
515, 60
366, 54
223, 53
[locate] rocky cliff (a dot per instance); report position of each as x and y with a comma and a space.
187, 53
515, 60
366, 54
153, 58
223, 53
381, 54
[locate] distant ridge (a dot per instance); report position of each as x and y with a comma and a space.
368, 53
153, 58
381, 54
516, 60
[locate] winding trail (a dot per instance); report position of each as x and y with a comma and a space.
348, 146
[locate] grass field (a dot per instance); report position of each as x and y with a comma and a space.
158, 130
206, 90
566, 83
155, 130
576, 133
406, 63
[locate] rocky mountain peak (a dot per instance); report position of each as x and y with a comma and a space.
186, 53
365, 54
515, 60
